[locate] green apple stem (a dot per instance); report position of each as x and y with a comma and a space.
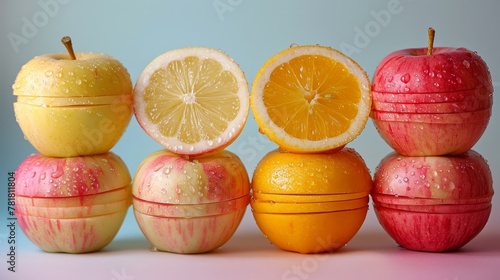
431, 32
66, 40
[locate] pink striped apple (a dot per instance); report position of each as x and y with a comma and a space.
72, 205
190, 204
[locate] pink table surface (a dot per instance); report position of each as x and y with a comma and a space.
371, 254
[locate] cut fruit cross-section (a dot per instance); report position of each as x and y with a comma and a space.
311, 99
192, 100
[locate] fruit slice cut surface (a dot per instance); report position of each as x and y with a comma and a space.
192, 100
311, 99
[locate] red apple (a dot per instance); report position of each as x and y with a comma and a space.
421, 76
403, 201
72, 205
433, 108
190, 204
431, 232
453, 208
447, 69
421, 139
433, 203
453, 118
484, 93
465, 176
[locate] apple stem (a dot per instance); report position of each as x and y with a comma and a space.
66, 40
431, 32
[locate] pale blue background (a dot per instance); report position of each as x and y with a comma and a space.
135, 32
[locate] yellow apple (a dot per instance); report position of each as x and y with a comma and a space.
73, 130
69, 107
57, 75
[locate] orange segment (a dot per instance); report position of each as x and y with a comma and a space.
192, 100
311, 99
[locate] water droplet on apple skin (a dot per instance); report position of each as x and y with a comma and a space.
405, 78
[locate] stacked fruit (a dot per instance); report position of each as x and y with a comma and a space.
431, 105
73, 108
191, 197
311, 194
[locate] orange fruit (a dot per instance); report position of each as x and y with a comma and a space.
311, 99
324, 174
310, 203
192, 100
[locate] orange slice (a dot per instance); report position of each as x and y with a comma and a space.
311, 99
192, 100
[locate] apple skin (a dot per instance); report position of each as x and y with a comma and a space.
69, 108
79, 235
465, 176
189, 235
431, 84
72, 205
447, 69
479, 94
56, 75
167, 185
42, 176
431, 232
165, 177
190, 210
423, 139
433, 108
453, 118
102, 198
434, 204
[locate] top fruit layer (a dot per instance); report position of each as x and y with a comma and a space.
311, 99
192, 100
341, 172
447, 69
56, 75
41, 176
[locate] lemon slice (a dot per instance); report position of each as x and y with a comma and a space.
192, 100
311, 99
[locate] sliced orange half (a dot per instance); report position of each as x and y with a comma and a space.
311, 99
192, 100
